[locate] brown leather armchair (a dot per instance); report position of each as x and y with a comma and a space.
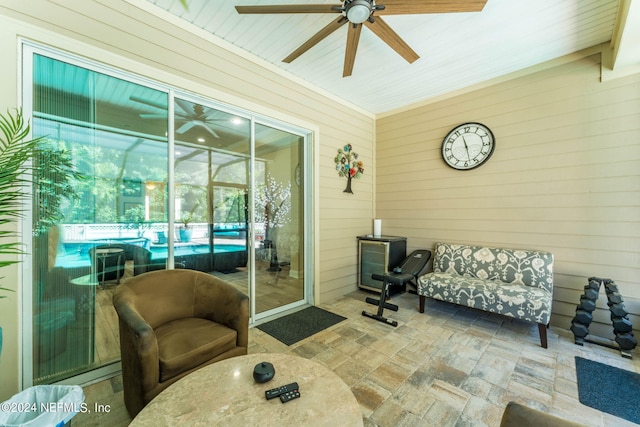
173, 322
517, 415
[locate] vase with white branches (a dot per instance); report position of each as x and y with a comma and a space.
273, 207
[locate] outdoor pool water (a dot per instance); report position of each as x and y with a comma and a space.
72, 255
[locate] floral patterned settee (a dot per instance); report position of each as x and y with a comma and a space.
516, 283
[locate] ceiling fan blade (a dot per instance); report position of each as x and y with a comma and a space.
353, 37
334, 25
289, 8
153, 116
206, 127
193, 123
186, 106
390, 37
417, 7
185, 127
160, 105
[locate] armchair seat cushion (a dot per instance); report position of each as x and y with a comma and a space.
184, 344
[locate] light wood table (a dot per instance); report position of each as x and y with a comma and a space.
225, 394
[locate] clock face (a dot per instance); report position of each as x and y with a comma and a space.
468, 146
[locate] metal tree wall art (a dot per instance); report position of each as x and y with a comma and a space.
348, 165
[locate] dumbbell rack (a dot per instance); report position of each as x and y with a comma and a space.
622, 327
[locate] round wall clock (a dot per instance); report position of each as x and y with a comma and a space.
468, 145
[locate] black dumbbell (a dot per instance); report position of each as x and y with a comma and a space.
621, 324
617, 310
615, 298
583, 317
579, 330
587, 304
626, 341
593, 284
590, 293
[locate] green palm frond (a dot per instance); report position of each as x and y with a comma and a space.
23, 163
15, 153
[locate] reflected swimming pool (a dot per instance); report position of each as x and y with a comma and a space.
71, 255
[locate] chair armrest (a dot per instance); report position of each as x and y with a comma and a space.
138, 342
231, 308
236, 316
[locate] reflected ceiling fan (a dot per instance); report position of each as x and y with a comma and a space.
193, 115
359, 12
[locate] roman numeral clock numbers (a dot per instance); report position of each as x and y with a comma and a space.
468, 146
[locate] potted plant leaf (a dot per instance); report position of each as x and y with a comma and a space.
15, 152
17, 174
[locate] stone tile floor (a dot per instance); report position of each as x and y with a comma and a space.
451, 366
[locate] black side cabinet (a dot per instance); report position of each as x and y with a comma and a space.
377, 255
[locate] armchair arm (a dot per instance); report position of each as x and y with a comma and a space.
234, 313
228, 306
138, 345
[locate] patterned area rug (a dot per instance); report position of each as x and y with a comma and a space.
609, 389
297, 326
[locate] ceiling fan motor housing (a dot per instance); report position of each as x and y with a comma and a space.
358, 11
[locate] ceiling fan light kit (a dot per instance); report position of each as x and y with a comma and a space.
359, 12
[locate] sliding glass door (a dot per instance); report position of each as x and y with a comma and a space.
212, 182
109, 210
220, 167
162, 179
279, 219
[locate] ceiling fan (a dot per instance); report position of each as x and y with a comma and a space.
193, 115
359, 12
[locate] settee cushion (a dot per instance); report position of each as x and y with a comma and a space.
186, 343
510, 299
520, 267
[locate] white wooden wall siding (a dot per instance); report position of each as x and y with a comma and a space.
564, 177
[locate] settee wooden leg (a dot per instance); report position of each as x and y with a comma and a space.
422, 298
542, 329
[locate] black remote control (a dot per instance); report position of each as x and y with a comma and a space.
275, 392
290, 395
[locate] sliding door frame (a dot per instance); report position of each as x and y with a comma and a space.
27, 51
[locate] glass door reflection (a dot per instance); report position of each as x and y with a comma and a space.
279, 254
104, 234
212, 176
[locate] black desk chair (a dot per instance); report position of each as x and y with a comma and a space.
408, 272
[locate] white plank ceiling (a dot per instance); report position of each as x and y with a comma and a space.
456, 50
